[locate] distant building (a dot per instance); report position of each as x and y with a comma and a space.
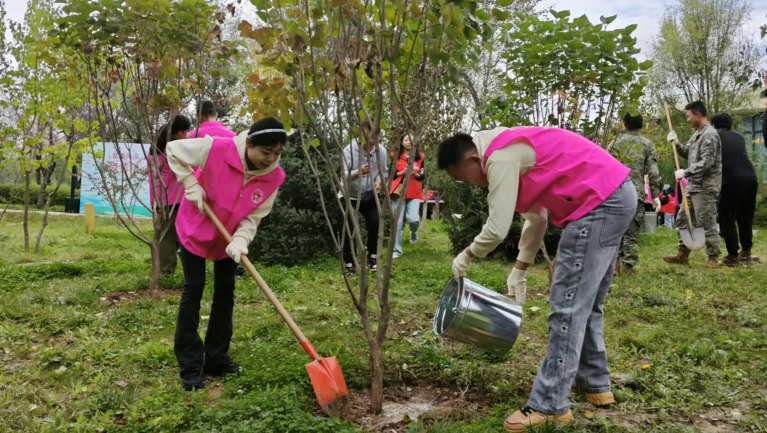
749, 120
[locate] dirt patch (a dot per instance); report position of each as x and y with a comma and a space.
719, 419
405, 404
121, 297
635, 421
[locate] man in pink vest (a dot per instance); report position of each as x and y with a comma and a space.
238, 177
209, 124
586, 192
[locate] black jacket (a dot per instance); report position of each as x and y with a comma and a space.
736, 167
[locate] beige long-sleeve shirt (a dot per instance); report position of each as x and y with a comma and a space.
504, 168
193, 152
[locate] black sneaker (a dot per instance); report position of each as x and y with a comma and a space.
225, 368
239, 271
413, 236
192, 380
373, 263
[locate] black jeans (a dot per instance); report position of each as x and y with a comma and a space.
736, 206
369, 211
190, 351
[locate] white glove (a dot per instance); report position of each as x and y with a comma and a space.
679, 174
237, 248
672, 137
656, 202
195, 194
461, 264
517, 283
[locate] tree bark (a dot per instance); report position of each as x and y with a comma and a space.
154, 248
27, 175
376, 378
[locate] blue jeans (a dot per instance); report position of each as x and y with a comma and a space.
584, 269
409, 214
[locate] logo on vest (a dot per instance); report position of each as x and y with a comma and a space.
257, 196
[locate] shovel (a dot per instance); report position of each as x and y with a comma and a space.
325, 373
695, 238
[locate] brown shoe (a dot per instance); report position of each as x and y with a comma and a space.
746, 258
600, 398
682, 257
525, 418
731, 261
713, 262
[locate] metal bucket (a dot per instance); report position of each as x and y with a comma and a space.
472, 314
650, 222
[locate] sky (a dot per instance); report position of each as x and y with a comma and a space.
646, 14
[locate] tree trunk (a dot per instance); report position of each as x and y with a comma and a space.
376, 378
39, 239
27, 179
154, 278
45, 181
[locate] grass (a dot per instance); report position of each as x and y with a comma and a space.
688, 344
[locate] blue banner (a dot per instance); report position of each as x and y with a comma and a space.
115, 178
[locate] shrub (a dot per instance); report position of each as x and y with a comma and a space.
471, 204
296, 230
14, 194
760, 218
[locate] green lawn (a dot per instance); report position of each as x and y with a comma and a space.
85, 347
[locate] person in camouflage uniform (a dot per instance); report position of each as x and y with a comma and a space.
704, 181
638, 153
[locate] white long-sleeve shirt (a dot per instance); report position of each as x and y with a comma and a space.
504, 168
193, 152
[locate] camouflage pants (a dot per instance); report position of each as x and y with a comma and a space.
703, 211
629, 251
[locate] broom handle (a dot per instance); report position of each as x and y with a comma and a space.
302, 340
681, 184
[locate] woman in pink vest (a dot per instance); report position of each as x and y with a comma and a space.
209, 124
165, 191
239, 178
540, 172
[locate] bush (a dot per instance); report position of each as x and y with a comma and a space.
14, 194
471, 204
296, 230
760, 218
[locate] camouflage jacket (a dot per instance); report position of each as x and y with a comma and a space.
704, 160
638, 153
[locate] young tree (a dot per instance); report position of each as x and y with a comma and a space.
45, 101
328, 67
568, 73
144, 62
703, 54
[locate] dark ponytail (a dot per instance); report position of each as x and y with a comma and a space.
180, 123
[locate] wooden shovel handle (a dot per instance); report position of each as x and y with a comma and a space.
685, 205
265, 289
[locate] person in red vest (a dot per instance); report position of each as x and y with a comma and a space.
238, 177
668, 206
413, 196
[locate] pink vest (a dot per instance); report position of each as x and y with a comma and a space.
222, 180
214, 129
174, 190
571, 176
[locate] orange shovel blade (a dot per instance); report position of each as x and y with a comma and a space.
328, 383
